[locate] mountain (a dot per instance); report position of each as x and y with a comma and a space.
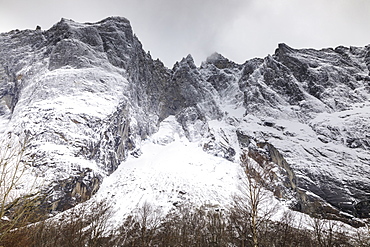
103, 119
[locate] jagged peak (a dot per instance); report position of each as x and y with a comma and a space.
283, 49
117, 19
70, 23
109, 20
65, 26
188, 60
65, 20
68, 28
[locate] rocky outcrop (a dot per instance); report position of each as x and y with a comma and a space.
69, 192
325, 89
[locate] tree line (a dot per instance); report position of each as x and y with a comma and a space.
246, 223
184, 226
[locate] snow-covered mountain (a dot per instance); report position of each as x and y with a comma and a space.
104, 118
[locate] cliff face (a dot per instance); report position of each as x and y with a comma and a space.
88, 95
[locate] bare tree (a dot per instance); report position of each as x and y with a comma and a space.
181, 227
217, 229
249, 212
149, 219
288, 232
97, 217
16, 209
11, 170
330, 233
140, 228
84, 225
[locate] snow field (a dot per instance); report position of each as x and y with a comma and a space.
170, 171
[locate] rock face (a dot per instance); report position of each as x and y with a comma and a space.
88, 95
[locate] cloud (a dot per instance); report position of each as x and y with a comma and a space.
238, 29
183, 27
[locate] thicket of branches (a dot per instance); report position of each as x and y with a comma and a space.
183, 227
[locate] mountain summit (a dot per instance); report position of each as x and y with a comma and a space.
103, 119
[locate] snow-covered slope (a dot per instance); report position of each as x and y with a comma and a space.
62, 88
171, 171
104, 118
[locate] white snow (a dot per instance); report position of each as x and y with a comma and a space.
171, 170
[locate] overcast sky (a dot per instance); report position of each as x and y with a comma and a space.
238, 29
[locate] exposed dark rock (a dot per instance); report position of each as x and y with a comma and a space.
244, 140
73, 190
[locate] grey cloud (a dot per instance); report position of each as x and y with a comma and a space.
238, 29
